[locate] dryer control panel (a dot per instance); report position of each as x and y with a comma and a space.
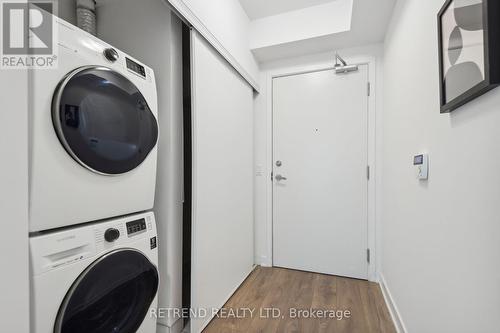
135, 67
136, 227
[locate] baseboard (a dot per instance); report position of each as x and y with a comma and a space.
263, 261
391, 305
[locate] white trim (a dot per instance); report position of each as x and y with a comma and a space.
264, 261
194, 178
372, 111
391, 306
188, 15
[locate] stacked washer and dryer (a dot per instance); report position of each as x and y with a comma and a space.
93, 245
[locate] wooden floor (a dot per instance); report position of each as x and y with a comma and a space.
286, 290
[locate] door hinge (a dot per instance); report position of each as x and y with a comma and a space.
369, 89
368, 255
272, 176
368, 172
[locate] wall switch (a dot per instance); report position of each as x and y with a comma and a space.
259, 170
421, 162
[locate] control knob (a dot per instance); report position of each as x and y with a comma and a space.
111, 54
111, 235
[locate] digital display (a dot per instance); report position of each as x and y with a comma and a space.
418, 160
136, 226
135, 67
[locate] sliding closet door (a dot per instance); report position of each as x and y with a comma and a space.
222, 213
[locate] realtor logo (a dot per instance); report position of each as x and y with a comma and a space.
28, 34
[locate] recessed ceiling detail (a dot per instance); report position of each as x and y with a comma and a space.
319, 26
256, 9
321, 20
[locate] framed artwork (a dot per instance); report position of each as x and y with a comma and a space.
469, 50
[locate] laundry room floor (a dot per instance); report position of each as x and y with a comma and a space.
358, 306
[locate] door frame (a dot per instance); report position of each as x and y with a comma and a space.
371, 62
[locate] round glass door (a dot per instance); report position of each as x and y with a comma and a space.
103, 120
111, 295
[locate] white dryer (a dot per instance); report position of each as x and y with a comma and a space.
98, 278
93, 134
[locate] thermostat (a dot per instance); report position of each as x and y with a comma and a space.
421, 162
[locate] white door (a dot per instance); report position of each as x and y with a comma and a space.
222, 207
320, 126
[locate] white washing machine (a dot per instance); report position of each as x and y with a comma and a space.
93, 134
98, 278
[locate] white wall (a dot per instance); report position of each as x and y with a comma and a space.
441, 238
14, 286
66, 9
229, 24
263, 139
159, 45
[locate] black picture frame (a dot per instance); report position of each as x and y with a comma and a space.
491, 28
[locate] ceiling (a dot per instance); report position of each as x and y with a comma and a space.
256, 9
369, 23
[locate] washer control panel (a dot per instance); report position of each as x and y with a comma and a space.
56, 249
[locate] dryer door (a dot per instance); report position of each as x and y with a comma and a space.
103, 120
112, 295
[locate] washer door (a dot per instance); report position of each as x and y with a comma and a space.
112, 295
103, 120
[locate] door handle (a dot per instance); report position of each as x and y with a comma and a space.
280, 178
